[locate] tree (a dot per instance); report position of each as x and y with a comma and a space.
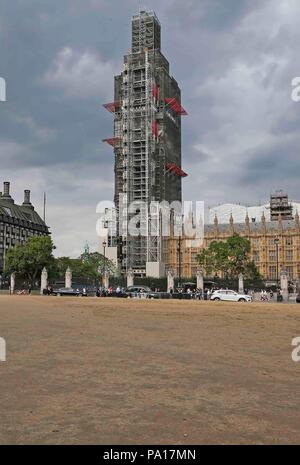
60, 266
88, 265
238, 255
94, 264
230, 257
27, 260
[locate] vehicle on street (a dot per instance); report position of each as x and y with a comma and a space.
298, 298
135, 291
69, 291
229, 295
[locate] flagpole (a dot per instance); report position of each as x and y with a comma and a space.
44, 207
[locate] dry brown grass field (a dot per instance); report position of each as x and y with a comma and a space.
114, 371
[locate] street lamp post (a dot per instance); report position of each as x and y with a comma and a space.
179, 260
276, 240
104, 248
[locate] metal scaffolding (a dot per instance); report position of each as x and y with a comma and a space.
146, 141
280, 207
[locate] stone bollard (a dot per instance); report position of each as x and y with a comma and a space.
44, 280
284, 282
12, 283
170, 279
241, 284
130, 276
68, 278
200, 281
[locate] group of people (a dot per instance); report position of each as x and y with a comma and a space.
195, 293
25, 290
104, 292
265, 296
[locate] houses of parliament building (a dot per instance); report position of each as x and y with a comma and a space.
275, 243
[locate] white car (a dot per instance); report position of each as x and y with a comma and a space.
231, 296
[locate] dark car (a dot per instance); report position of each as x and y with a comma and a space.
136, 291
298, 298
65, 291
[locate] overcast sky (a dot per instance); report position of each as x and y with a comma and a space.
234, 61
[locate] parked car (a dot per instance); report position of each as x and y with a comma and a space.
65, 291
229, 295
133, 291
298, 298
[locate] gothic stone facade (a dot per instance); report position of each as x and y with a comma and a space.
262, 237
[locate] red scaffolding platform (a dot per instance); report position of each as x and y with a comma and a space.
155, 128
112, 107
155, 91
173, 168
176, 106
113, 141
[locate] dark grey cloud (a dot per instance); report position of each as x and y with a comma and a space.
277, 164
233, 59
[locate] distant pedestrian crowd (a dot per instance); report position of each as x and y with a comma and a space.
266, 296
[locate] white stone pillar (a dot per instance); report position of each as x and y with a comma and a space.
170, 279
130, 276
68, 278
105, 280
284, 285
44, 280
241, 284
200, 281
12, 283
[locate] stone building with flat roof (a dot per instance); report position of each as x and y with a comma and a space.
17, 222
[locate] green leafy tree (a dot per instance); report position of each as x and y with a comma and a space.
94, 264
89, 265
238, 249
61, 265
230, 257
28, 260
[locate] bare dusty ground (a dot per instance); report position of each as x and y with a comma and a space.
114, 371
